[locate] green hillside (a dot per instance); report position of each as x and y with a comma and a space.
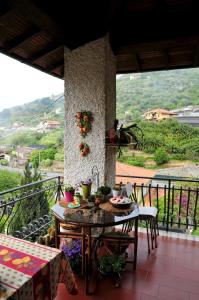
136, 93
33, 112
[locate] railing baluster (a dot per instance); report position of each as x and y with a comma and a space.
172, 205
37, 197
187, 208
180, 206
195, 210
157, 197
150, 194
142, 193
165, 197
168, 205
134, 190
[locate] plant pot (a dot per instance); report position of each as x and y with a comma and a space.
69, 196
86, 190
78, 198
98, 200
116, 192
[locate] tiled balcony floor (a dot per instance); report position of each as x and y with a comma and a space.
171, 272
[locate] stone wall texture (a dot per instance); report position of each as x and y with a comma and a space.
90, 78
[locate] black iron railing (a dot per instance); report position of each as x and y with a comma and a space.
175, 198
25, 210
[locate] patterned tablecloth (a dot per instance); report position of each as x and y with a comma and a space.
31, 271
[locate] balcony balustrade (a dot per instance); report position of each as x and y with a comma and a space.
25, 210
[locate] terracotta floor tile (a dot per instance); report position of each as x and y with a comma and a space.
170, 272
193, 297
166, 293
187, 285
148, 297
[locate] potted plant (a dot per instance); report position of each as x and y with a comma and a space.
105, 191
77, 198
69, 191
73, 252
116, 190
98, 197
86, 188
112, 265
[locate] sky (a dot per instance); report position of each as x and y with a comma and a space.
20, 83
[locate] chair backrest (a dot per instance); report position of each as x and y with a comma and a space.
129, 189
131, 192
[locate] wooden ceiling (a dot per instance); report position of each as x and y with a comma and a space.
145, 35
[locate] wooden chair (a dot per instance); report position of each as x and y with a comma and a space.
149, 214
117, 242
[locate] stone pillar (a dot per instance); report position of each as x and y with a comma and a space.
90, 84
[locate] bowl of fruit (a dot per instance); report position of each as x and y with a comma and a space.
120, 202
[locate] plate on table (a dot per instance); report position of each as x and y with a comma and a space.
120, 202
72, 205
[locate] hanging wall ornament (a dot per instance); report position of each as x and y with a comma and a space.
84, 121
84, 149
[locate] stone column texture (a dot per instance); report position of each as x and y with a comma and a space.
90, 84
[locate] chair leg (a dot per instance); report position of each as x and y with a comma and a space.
152, 234
135, 255
157, 226
147, 231
135, 245
156, 232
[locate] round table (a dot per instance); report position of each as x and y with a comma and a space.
87, 218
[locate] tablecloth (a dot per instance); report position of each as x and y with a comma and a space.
29, 271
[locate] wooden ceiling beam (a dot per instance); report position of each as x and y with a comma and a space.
32, 13
160, 45
196, 57
56, 65
136, 61
23, 60
59, 72
25, 37
4, 11
166, 59
44, 52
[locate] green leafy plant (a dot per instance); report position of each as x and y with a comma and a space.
111, 264
98, 194
4, 162
161, 157
73, 252
104, 190
68, 188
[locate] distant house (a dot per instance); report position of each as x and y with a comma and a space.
188, 115
48, 125
17, 124
25, 152
158, 114
6, 148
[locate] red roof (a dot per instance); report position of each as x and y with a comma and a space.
162, 111
53, 122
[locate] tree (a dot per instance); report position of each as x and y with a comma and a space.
31, 207
9, 180
161, 157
